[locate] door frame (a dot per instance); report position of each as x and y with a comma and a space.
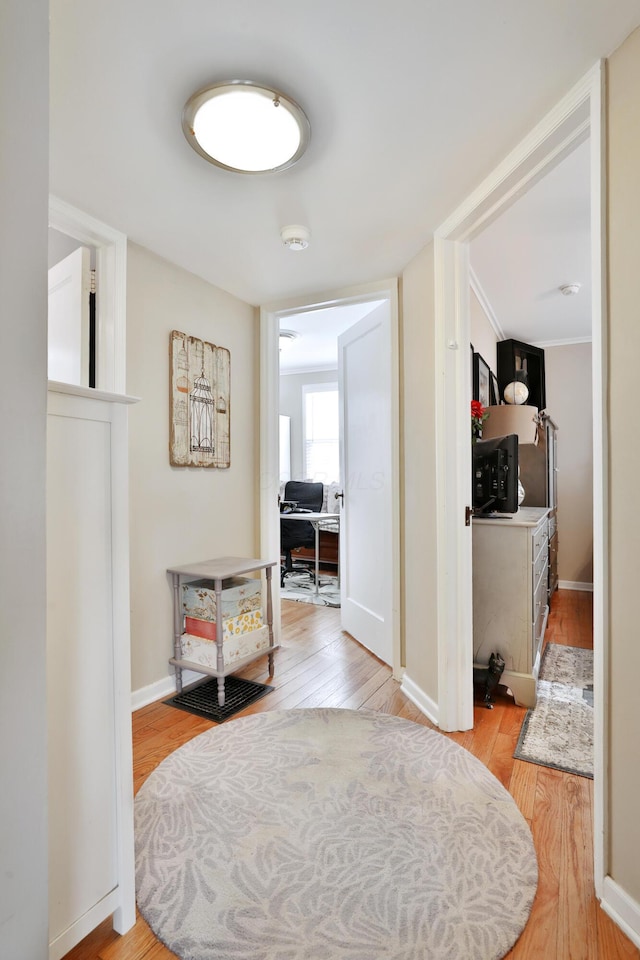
578, 116
270, 316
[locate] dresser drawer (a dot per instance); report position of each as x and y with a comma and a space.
540, 593
540, 537
540, 564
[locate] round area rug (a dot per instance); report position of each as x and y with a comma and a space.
331, 835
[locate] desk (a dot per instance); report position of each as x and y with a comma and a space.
217, 570
315, 519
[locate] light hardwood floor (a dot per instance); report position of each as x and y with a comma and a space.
319, 665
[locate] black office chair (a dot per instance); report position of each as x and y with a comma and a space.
297, 533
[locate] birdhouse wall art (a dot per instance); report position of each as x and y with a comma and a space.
199, 391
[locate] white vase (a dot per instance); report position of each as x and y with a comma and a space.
520, 492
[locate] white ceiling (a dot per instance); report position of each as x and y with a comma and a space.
316, 344
539, 244
411, 104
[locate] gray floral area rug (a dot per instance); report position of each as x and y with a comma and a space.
558, 732
302, 587
327, 833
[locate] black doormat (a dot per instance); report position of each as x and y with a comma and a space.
203, 698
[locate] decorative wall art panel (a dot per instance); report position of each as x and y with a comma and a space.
199, 399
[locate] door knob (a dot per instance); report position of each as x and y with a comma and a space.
340, 496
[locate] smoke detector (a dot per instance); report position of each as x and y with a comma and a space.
295, 237
569, 289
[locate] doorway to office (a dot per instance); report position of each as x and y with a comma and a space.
369, 520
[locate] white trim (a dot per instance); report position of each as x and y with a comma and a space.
270, 316
483, 300
161, 689
82, 927
124, 916
623, 909
578, 116
561, 343
575, 585
560, 132
453, 464
599, 379
269, 452
423, 702
90, 393
308, 368
111, 298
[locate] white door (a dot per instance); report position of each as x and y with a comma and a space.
69, 289
366, 554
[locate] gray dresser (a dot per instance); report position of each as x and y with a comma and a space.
510, 595
538, 474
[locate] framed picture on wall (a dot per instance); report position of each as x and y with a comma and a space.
481, 380
199, 396
495, 389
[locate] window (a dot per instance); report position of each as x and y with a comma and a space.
321, 427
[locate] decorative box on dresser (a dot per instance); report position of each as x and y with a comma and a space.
510, 595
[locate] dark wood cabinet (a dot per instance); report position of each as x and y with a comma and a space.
517, 360
329, 549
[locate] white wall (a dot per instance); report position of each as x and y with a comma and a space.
624, 464
569, 404
181, 515
483, 336
24, 104
418, 474
291, 385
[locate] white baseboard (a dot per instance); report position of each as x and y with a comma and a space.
423, 702
573, 585
161, 688
623, 909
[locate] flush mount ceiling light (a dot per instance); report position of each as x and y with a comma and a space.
286, 338
569, 289
246, 127
295, 236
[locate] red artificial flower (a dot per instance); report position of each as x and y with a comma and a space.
477, 410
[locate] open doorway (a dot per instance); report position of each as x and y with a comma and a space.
368, 439
70, 230
310, 447
71, 311
577, 117
530, 305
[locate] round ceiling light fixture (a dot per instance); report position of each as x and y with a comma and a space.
569, 289
295, 236
286, 338
246, 127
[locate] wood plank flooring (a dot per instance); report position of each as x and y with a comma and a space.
319, 665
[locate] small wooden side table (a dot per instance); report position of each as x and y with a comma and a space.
222, 568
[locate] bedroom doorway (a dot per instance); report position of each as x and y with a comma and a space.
576, 118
